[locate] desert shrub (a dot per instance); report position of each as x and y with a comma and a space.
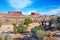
40, 33
20, 28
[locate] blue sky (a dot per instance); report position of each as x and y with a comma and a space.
48, 7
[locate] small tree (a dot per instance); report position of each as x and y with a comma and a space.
18, 29
27, 21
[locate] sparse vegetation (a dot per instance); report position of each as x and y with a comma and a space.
20, 28
28, 21
40, 33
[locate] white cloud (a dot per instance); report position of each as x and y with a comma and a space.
52, 11
20, 4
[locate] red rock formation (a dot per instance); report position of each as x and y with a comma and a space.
15, 13
34, 14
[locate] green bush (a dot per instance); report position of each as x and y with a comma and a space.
28, 21
15, 28
40, 33
20, 28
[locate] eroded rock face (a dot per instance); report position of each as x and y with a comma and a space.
15, 13
35, 14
